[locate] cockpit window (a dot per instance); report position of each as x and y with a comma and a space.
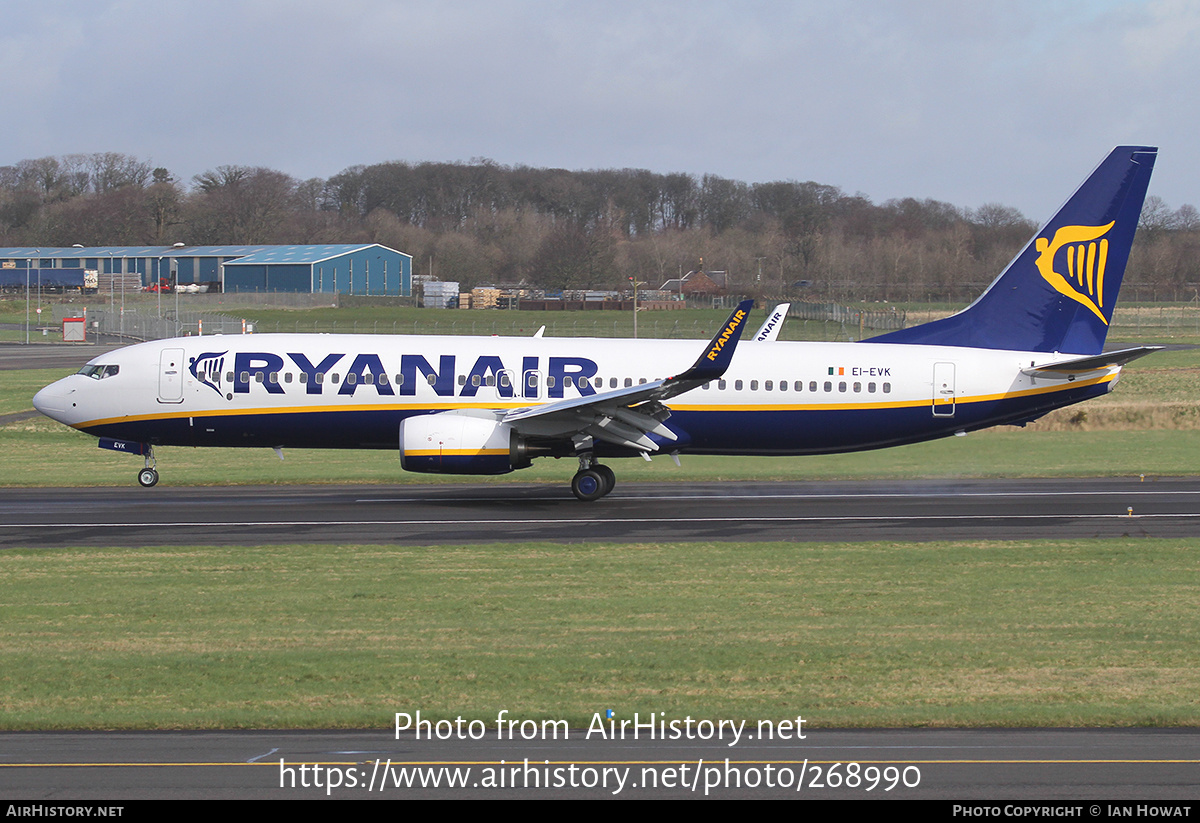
99, 372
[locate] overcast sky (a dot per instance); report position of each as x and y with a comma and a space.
1011, 102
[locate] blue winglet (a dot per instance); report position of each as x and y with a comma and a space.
715, 360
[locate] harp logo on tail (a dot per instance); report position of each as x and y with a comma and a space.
1085, 257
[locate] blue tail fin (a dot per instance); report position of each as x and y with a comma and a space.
1057, 295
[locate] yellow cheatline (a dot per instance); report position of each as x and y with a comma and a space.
714, 407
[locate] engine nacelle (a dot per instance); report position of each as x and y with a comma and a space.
458, 443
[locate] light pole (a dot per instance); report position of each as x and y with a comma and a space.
112, 288
174, 268
122, 296
636, 283
28, 263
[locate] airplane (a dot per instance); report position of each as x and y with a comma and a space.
1033, 342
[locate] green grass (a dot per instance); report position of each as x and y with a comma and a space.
983, 633
1093, 632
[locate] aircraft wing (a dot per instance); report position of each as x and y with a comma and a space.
612, 416
1094, 362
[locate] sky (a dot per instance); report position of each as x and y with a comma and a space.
967, 102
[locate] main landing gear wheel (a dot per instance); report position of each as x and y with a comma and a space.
610, 477
588, 485
147, 477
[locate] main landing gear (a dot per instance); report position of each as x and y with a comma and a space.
593, 480
149, 475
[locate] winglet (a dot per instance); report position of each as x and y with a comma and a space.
715, 360
769, 330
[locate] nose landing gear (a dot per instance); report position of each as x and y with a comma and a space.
149, 475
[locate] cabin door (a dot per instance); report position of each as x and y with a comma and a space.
170, 376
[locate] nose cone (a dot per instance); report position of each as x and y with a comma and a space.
54, 401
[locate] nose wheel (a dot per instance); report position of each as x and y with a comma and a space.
148, 476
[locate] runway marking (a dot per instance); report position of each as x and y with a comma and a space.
261, 756
820, 496
667, 762
494, 521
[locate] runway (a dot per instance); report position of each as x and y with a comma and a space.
996, 765
686, 512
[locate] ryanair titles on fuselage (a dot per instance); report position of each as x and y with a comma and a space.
366, 371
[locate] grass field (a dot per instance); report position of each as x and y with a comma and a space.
1045, 633
1094, 632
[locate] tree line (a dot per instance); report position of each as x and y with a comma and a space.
480, 222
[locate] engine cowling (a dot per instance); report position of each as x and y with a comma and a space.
457, 443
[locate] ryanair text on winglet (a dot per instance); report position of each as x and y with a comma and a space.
719, 343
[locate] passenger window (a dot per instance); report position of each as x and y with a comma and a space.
474, 380
841, 386
828, 386
628, 382
399, 380
737, 385
320, 377
612, 382
768, 385
351, 379
753, 385
245, 377
303, 377
287, 377
433, 379
504, 381
641, 380
490, 381
783, 385
583, 382
462, 380
273, 377
887, 388
567, 382
333, 378
871, 388
858, 387
812, 386
721, 384
229, 377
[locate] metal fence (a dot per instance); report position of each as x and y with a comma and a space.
825, 322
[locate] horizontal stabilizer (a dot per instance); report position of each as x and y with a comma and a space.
1107, 360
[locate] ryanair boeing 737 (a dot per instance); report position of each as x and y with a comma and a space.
1033, 342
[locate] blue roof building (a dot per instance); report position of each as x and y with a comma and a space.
369, 269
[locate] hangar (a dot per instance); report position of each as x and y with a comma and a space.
368, 269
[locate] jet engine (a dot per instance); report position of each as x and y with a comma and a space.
460, 443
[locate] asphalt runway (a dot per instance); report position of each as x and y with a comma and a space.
503, 513
994, 765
